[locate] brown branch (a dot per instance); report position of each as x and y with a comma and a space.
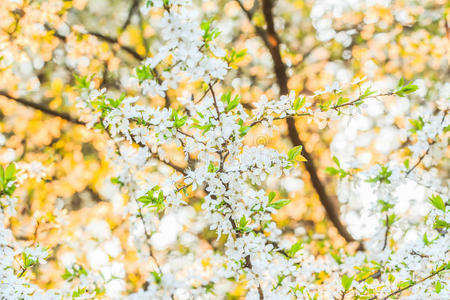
134, 6
73, 120
148, 236
427, 151
42, 108
272, 42
386, 234
113, 40
260, 292
409, 286
100, 36
136, 55
215, 101
259, 30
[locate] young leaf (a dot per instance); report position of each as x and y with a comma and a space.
332, 171
271, 196
437, 202
336, 161
2, 176
346, 282
280, 203
295, 154
298, 103
294, 249
405, 89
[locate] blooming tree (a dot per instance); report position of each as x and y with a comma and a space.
181, 120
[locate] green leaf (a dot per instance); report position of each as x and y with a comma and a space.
391, 219
67, 275
438, 287
336, 161
346, 282
406, 164
233, 104
244, 130
157, 277
437, 202
271, 196
417, 124
294, 249
391, 278
295, 154
207, 128
243, 222
279, 203
383, 176
400, 83
99, 125
404, 284
180, 122
368, 92
81, 82
115, 180
337, 257
242, 226
385, 206
425, 239
143, 73
226, 97
405, 89
205, 25
332, 171
440, 224
298, 102
2, 177
208, 33
211, 168
145, 200
341, 101
153, 201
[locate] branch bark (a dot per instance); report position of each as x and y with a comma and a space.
42, 108
272, 42
74, 120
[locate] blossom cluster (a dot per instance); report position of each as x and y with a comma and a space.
212, 180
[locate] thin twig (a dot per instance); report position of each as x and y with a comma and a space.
134, 6
409, 286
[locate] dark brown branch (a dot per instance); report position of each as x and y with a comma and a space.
259, 30
386, 234
112, 40
260, 292
215, 101
134, 54
134, 6
43, 108
272, 42
73, 120
103, 37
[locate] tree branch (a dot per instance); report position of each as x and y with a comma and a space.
74, 120
43, 108
409, 286
103, 37
134, 6
113, 40
272, 42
